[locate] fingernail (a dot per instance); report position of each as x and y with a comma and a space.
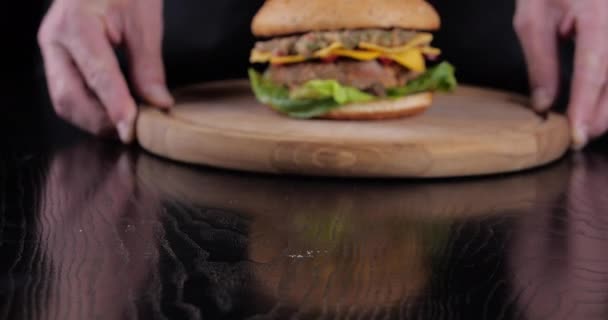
541, 100
580, 138
126, 129
160, 95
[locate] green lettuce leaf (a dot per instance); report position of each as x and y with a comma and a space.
324, 89
278, 98
440, 78
318, 97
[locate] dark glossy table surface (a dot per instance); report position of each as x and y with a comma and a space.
93, 230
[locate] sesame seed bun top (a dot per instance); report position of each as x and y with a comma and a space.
285, 17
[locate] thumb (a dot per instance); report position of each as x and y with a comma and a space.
539, 39
143, 37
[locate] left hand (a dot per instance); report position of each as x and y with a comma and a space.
539, 23
77, 40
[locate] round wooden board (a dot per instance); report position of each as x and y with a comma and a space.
470, 132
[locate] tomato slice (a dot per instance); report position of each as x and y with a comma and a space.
330, 59
386, 61
432, 57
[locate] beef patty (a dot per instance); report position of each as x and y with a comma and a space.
370, 76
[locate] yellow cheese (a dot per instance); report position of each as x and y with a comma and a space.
412, 59
430, 51
263, 57
323, 53
259, 57
357, 54
287, 59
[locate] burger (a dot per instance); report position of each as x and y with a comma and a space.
347, 59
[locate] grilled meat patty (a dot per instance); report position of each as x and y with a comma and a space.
371, 76
311, 42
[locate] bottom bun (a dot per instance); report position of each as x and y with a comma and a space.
383, 109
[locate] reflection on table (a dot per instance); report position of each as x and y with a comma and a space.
121, 234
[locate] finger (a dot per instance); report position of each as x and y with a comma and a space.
143, 36
538, 35
589, 77
599, 124
566, 28
95, 58
71, 99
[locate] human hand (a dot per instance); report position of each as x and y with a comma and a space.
85, 82
539, 23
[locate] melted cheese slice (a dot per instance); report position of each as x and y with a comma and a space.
356, 54
412, 59
410, 55
323, 53
263, 57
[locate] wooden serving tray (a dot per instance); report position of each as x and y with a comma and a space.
472, 131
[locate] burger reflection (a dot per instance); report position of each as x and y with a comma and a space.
333, 259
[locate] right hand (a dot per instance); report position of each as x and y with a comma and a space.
86, 84
539, 24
